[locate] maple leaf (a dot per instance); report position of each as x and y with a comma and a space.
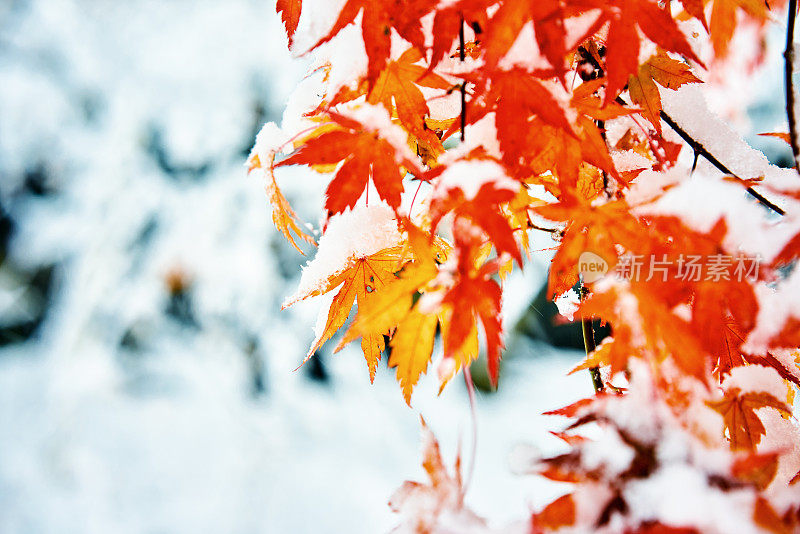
397, 89
390, 305
665, 71
473, 296
622, 45
758, 469
548, 18
483, 210
412, 344
738, 411
727, 354
723, 20
378, 19
723, 313
362, 277
646, 327
449, 20
398, 82
783, 136
283, 216
422, 504
559, 513
515, 96
290, 15
363, 154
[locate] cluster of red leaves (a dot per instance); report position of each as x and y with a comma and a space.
604, 486
549, 135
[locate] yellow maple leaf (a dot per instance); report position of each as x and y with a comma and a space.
360, 281
283, 216
412, 345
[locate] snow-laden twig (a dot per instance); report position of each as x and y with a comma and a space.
700, 149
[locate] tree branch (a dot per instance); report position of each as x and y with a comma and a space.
788, 61
462, 56
700, 149
590, 345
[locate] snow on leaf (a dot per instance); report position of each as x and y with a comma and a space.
366, 151
738, 409
665, 71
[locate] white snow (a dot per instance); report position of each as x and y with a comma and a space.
354, 233
568, 303
776, 305
376, 119
756, 379
679, 495
688, 107
470, 175
269, 141
701, 201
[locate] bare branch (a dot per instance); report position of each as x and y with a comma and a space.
788, 61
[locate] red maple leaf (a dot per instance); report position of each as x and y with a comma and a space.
363, 154
378, 19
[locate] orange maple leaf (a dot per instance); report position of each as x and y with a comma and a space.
557, 514
723, 20
622, 45
363, 154
283, 216
665, 71
473, 296
290, 15
397, 89
412, 345
738, 411
378, 19
359, 281
398, 83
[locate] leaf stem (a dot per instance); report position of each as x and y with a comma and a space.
788, 61
474, 417
590, 345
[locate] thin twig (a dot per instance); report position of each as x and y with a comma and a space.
788, 61
474, 416
462, 56
590, 345
700, 149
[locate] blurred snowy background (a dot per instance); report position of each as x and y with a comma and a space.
146, 373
